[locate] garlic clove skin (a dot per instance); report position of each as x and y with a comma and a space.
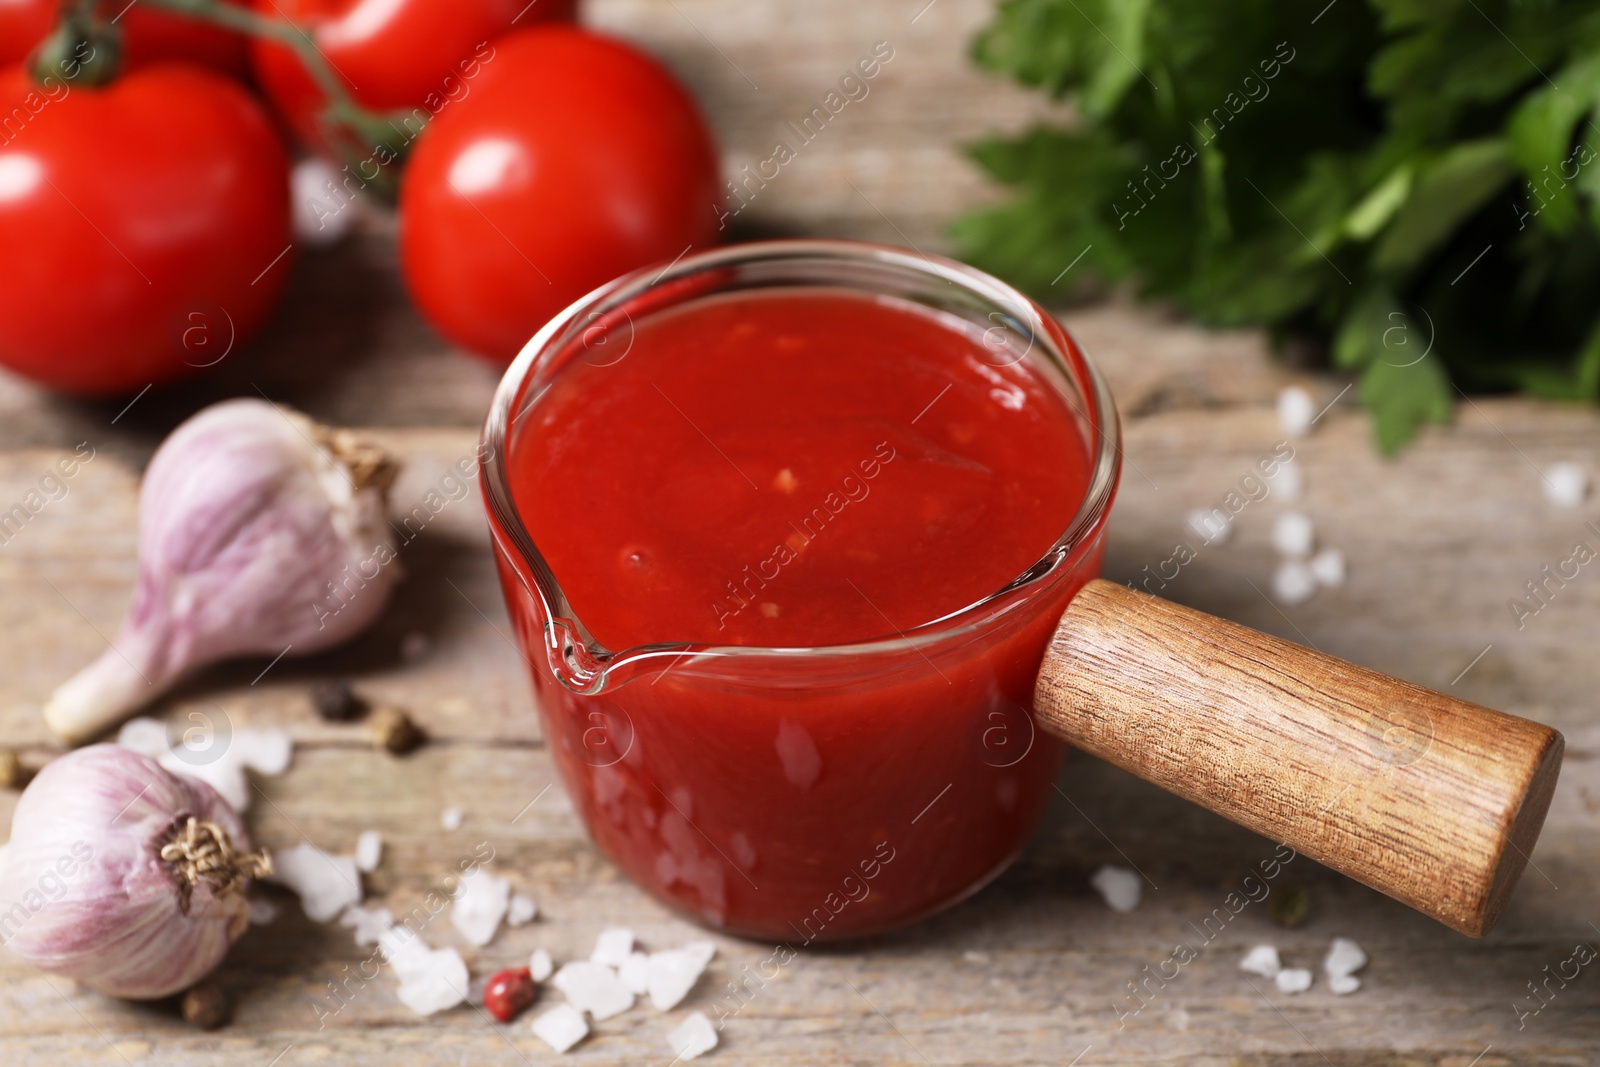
85, 893
260, 533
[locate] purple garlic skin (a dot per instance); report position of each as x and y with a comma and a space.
84, 892
260, 533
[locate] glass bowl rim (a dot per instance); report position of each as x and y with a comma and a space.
506, 525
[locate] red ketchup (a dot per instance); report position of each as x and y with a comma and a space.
760, 474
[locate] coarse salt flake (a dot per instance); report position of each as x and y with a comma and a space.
561, 1027
369, 924
369, 850
1119, 886
1296, 411
671, 974
594, 988
540, 966
431, 980
481, 902
405, 952
701, 951
326, 884
1293, 980
220, 770
1262, 960
262, 911
635, 973
1565, 485
695, 1036
1344, 957
1292, 534
1327, 567
1293, 582
442, 984
1343, 984
613, 946
216, 758
450, 818
263, 751
521, 911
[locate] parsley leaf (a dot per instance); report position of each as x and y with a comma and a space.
1363, 172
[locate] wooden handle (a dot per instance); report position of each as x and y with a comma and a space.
1432, 800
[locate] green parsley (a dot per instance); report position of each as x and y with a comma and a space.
1414, 182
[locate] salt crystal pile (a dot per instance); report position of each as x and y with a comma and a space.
481, 902
326, 884
540, 965
594, 988
1565, 485
369, 925
1344, 959
613, 946
431, 980
215, 758
693, 1037
1262, 960
561, 1027
1119, 886
1296, 580
672, 973
1296, 411
1293, 980
521, 911
369, 850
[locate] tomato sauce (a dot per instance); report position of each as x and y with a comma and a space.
793, 470
790, 469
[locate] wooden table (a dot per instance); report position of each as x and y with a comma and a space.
1034, 968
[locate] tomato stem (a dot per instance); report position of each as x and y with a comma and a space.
81, 49
249, 23
371, 127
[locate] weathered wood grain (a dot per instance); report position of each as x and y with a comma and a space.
1437, 542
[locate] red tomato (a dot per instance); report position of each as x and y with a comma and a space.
23, 24
142, 226
575, 159
149, 35
391, 54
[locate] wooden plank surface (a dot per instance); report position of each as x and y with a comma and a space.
1034, 968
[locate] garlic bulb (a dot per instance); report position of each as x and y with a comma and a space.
260, 533
124, 877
